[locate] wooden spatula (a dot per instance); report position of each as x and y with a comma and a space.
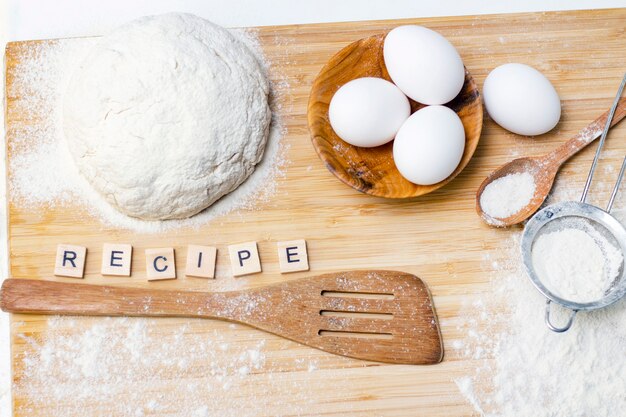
383, 316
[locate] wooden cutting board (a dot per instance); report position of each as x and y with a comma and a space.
437, 237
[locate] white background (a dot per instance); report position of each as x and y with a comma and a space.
40, 19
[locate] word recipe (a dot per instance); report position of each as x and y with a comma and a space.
161, 262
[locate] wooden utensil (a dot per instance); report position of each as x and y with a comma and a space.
544, 168
372, 170
383, 316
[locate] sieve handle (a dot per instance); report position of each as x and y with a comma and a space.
607, 126
620, 176
552, 326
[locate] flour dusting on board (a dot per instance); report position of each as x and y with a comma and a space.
137, 367
42, 172
526, 370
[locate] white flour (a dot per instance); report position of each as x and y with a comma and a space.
506, 196
42, 170
576, 265
524, 369
137, 367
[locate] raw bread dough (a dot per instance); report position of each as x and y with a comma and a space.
166, 115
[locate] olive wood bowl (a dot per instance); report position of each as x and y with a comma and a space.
372, 170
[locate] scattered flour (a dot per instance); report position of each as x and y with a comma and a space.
138, 367
121, 362
42, 172
506, 196
524, 369
575, 265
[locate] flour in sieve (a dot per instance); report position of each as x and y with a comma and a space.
575, 264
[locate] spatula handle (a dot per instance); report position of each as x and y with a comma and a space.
50, 297
586, 136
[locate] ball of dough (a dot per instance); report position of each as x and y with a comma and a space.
166, 115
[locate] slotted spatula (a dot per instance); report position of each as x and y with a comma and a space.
383, 316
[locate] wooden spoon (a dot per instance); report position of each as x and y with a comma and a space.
383, 316
544, 168
372, 170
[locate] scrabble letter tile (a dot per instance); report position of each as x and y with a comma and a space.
160, 264
116, 259
201, 261
292, 256
70, 261
244, 259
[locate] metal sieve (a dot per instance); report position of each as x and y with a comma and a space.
583, 216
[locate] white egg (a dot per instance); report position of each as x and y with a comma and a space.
521, 99
368, 111
429, 145
423, 64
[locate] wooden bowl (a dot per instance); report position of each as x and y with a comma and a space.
372, 170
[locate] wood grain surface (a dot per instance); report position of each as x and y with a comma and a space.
438, 237
372, 170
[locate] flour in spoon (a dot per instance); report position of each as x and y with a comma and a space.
506, 196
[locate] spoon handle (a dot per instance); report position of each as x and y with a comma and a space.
585, 136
